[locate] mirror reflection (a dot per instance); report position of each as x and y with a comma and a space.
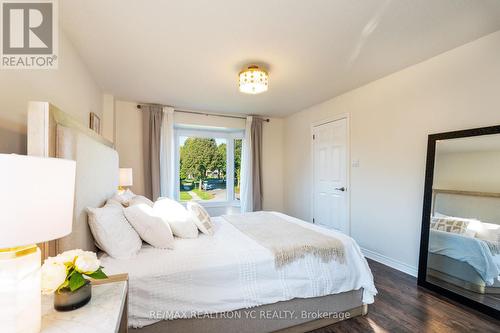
464, 236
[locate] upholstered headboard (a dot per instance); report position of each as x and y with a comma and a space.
483, 206
53, 133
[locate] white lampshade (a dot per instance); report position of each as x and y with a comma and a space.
126, 178
37, 196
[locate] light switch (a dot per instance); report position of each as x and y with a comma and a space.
355, 163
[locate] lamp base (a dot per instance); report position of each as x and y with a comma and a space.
20, 285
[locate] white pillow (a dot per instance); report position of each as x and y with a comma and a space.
112, 232
139, 199
113, 201
201, 218
180, 220
124, 197
150, 228
487, 231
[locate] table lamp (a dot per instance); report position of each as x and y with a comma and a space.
37, 196
126, 178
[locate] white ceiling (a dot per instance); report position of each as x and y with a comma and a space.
188, 53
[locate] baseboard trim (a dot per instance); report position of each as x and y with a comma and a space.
396, 264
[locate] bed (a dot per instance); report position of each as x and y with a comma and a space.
461, 260
230, 271
224, 283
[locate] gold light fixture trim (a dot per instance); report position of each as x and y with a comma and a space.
253, 80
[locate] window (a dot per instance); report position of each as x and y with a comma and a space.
208, 166
237, 167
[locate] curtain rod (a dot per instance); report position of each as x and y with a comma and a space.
139, 106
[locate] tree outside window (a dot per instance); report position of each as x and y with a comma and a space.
209, 167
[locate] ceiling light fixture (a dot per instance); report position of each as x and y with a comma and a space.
254, 80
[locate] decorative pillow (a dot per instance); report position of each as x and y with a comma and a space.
180, 220
201, 218
472, 224
112, 232
449, 224
139, 199
150, 228
124, 197
477, 229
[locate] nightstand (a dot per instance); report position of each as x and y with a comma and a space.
105, 313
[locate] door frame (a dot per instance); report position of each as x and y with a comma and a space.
347, 117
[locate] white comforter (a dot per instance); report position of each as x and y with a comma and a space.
230, 271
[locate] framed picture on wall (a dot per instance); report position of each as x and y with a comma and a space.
95, 123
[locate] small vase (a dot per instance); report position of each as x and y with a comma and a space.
67, 300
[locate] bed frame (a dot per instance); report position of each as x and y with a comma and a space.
53, 133
241, 321
458, 273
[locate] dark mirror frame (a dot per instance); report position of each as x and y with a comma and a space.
426, 216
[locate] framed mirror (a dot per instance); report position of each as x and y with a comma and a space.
460, 240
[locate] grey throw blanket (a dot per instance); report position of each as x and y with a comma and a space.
494, 247
286, 240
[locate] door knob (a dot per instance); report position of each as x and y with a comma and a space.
340, 188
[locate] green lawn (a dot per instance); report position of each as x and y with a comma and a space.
185, 196
202, 194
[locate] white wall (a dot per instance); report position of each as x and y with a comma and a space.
108, 117
128, 134
390, 121
71, 88
273, 158
211, 121
129, 143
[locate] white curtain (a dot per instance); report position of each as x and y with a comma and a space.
167, 154
246, 190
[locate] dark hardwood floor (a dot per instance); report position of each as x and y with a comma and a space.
401, 306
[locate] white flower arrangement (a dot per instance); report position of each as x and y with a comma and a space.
67, 270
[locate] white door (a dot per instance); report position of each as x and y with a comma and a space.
330, 199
